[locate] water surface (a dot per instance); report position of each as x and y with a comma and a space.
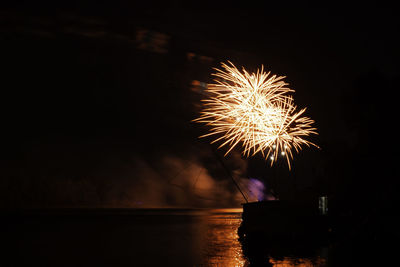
152, 237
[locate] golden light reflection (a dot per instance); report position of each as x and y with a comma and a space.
255, 110
222, 246
296, 262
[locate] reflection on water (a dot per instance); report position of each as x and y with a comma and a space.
142, 238
221, 247
298, 262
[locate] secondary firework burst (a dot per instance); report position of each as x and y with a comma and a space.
256, 111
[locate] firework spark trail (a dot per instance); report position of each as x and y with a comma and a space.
256, 111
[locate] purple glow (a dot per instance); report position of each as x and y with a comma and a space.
256, 189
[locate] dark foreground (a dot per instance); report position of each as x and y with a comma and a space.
164, 238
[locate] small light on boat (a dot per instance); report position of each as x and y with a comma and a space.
323, 205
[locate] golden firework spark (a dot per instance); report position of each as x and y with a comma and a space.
256, 111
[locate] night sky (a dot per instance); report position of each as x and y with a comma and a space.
97, 101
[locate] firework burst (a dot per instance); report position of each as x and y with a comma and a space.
254, 110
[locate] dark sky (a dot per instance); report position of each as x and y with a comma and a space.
97, 101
